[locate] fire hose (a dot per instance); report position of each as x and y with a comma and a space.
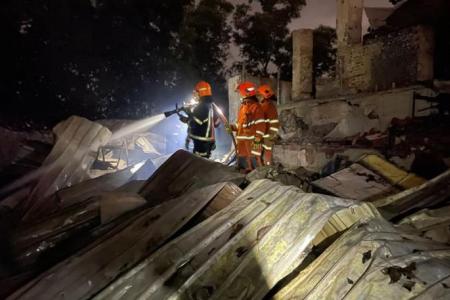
224, 120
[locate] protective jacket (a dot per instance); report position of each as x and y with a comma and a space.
202, 121
250, 127
272, 123
271, 127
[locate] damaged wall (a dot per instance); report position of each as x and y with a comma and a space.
397, 59
307, 125
381, 107
382, 61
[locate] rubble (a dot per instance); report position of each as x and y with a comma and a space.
356, 182
432, 224
370, 179
300, 178
141, 237
189, 231
315, 157
356, 206
183, 173
243, 250
429, 194
67, 164
374, 260
23, 153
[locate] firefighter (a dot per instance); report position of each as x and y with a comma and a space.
249, 129
268, 105
201, 121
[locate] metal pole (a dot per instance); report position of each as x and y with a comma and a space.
278, 86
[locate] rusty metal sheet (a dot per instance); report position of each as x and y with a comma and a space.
185, 172
357, 183
241, 252
223, 199
373, 260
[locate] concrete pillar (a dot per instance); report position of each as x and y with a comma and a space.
302, 64
348, 30
425, 55
349, 22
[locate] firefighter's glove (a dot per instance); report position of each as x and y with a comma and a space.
272, 137
257, 145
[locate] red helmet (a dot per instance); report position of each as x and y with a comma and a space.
266, 91
203, 89
246, 89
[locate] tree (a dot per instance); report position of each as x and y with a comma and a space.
324, 51
263, 36
108, 58
204, 41
103, 58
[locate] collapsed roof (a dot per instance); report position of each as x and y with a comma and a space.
196, 229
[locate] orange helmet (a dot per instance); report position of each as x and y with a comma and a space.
246, 89
266, 91
203, 89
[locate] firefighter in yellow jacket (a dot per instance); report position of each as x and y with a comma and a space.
249, 129
269, 108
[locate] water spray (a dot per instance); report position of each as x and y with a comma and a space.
138, 126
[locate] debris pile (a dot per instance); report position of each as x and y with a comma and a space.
196, 229
395, 125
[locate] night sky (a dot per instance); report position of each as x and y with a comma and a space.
318, 12
323, 12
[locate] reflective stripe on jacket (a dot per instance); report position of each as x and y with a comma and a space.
202, 121
272, 124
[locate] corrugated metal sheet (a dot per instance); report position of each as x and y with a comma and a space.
86, 273
244, 250
433, 224
77, 142
375, 261
184, 172
428, 194
93, 187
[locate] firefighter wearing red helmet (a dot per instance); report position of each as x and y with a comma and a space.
268, 105
202, 121
249, 128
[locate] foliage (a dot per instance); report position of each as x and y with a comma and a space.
107, 58
264, 37
124, 58
204, 42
